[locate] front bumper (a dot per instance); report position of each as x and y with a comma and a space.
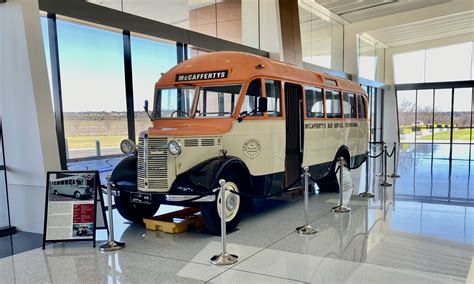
176, 196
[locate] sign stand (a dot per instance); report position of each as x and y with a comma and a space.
71, 207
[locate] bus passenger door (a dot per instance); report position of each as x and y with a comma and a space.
294, 132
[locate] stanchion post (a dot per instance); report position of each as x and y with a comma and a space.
111, 245
381, 164
306, 229
341, 208
224, 258
395, 155
366, 193
385, 183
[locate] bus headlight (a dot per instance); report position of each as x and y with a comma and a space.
174, 148
127, 146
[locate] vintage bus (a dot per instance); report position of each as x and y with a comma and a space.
252, 121
75, 186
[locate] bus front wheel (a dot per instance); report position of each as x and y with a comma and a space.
134, 212
77, 195
211, 211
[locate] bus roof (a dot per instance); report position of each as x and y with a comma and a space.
69, 177
231, 67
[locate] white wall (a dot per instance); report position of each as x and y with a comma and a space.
28, 122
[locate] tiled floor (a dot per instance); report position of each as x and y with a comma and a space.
413, 232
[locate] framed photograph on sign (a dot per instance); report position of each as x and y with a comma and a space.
71, 206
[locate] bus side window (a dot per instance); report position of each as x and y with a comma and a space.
273, 93
254, 91
349, 106
333, 104
314, 102
361, 106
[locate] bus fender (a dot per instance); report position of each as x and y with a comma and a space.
205, 175
124, 175
344, 152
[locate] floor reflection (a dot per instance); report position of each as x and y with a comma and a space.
434, 196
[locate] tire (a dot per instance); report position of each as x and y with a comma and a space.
77, 195
55, 192
210, 212
134, 212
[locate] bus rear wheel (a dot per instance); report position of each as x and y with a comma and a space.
77, 195
134, 212
211, 211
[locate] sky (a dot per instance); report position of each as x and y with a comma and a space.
92, 68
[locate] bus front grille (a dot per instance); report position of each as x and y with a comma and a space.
152, 174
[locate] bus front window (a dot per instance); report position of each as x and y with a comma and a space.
217, 101
176, 102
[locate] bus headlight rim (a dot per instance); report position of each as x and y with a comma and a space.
127, 146
174, 148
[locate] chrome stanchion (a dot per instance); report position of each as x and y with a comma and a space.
381, 164
307, 229
224, 258
111, 245
366, 193
395, 152
384, 157
340, 208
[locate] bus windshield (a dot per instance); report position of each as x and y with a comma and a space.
176, 102
217, 101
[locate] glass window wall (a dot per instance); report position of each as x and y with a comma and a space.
232, 20
371, 58
150, 58
441, 64
320, 38
406, 115
93, 89
441, 117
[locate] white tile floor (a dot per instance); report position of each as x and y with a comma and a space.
384, 240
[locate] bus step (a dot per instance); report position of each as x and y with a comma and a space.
174, 222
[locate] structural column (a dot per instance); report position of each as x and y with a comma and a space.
31, 148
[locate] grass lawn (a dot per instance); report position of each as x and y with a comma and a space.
458, 134
88, 142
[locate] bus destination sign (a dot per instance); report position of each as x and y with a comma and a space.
202, 76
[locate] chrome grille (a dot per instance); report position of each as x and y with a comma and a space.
157, 173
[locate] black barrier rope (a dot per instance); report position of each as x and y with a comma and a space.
359, 165
391, 154
376, 156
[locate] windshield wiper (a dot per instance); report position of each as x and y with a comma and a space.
244, 114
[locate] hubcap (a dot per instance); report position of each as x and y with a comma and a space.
232, 202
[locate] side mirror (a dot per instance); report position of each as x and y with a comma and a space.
262, 104
145, 106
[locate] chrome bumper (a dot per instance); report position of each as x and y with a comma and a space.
181, 198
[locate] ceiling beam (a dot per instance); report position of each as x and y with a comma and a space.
322, 12
417, 15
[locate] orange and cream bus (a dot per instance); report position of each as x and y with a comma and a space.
252, 121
